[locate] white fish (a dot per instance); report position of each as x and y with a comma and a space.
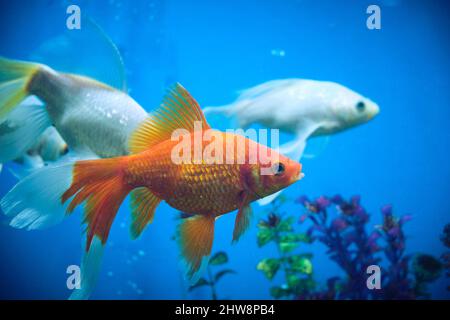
305, 108
50, 145
91, 116
94, 118
28, 137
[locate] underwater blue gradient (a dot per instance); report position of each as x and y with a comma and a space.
215, 48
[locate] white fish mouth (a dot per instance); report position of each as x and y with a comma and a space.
375, 111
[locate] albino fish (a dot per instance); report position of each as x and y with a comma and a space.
18, 138
87, 105
92, 117
305, 108
204, 190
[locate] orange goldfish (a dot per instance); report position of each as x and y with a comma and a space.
204, 191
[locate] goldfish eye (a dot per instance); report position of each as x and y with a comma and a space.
360, 106
278, 168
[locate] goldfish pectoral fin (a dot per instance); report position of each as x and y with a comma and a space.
143, 205
243, 219
266, 200
196, 239
14, 79
22, 128
89, 271
35, 201
179, 110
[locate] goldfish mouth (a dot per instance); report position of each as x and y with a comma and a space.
300, 175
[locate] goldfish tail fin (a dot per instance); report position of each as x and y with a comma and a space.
21, 129
100, 184
196, 238
14, 79
90, 269
39, 200
35, 201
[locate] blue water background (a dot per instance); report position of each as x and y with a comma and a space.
215, 49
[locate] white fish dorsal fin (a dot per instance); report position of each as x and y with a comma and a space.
88, 52
264, 88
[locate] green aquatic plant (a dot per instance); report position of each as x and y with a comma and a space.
445, 258
426, 269
218, 259
297, 267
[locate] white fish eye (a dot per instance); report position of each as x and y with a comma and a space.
360, 106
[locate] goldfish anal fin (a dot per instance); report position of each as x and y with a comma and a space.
100, 184
143, 205
243, 218
196, 238
179, 110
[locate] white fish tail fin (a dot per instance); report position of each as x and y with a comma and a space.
230, 111
14, 79
21, 129
90, 269
266, 200
226, 110
35, 201
88, 52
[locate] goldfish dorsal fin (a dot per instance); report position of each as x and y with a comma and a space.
143, 205
179, 110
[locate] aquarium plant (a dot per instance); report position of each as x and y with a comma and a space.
297, 267
342, 226
218, 259
445, 258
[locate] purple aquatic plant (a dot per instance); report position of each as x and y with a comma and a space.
341, 225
